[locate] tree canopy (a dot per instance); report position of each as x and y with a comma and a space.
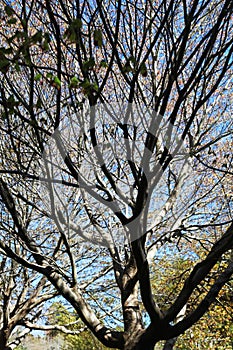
116, 136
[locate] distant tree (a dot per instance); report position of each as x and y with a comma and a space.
123, 101
21, 347
214, 329
23, 294
83, 340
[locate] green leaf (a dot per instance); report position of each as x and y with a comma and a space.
98, 38
37, 77
89, 87
11, 99
9, 11
70, 35
85, 84
17, 67
5, 51
45, 42
143, 69
18, 35
87, 65
4, 116
74, 80
74, 83
86, 87
72, 32
56, 82
95, 87
4, 64
77, 23
103, 64
38, 103
47, 37
33, 123
37, 37
12, 20
132, 59
127, 67
24, 22
11, 104
45, 45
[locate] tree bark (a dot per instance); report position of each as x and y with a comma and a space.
135, 343
169, 344
3, 340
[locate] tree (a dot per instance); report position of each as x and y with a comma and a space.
25, 295
214, 329
83, 339
117, 174
22, 298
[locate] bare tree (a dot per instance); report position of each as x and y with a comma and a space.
123, 101
23, 295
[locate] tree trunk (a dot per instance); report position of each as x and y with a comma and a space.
3, 340
142, 347
138, 346
139, 342
169, 344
